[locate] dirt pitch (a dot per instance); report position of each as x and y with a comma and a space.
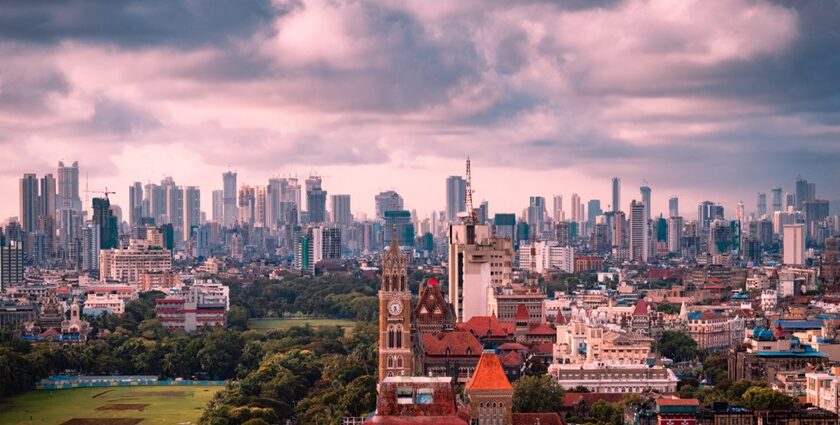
123, 406
102, 421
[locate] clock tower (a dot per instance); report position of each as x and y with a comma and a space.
395, 356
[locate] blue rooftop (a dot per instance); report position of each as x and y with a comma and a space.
805, 353
799, 324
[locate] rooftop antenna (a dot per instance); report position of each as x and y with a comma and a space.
471, 218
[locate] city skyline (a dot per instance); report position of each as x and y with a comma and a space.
263, 89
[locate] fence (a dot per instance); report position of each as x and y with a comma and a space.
66, 382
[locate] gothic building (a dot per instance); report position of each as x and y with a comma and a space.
395, 342
432, 314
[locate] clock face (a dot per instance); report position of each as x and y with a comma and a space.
395, 307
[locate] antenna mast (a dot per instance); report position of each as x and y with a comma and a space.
471, 218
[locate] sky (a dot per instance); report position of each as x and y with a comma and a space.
705, 100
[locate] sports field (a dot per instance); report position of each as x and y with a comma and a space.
109, 406
269, 324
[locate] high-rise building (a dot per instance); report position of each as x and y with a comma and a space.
639, 239
91, 244
68, 187
399, 222
261, 206
675, 234
804, 192
594, 209
387, 201
645, 191
247, 205
776, 197
218, 206
316, 200
456, 194
673, 207
575, 207
790, 201
107, 223
557, 212
477, 262
229, 188
707, 212
274, 195
29, 203
794, 244
11, 265
616, 194
340, 210
536, 214
192, 209
331, 243
135, 203
47, 197
761, 205
815, 211
175, 209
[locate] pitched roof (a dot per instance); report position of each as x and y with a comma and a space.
521, 312
489, 374
512, 359
542, 330
483, 326
543, 348
677, 402
641, 308
459, 343
512, 346
570, 399
537, 419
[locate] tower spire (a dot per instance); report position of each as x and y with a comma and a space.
471, 218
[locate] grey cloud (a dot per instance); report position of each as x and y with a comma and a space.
111, 116
26, 91
141, 23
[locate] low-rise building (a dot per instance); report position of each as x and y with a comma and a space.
126, 265
104, 303
201, 306
627, 379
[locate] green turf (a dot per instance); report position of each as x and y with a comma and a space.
269, 324
166, 404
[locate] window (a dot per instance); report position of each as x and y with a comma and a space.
405, 395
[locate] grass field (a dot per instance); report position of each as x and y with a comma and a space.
108, 405
269, 324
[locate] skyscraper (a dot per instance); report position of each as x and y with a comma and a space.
639, 240
274, 195
616, 194
340, 210
229, 188
192, 209
557, 212
594, 208
536, 214
645, 191
794, 244
776, 198
218, 206
804, 192
316, 200
135, 203
247, 205
708, 211
387, 201
175, 209
761, 205
102, 217
673, 207
575, 207
675, 234
68, 187
29, 203
47, 196
456, 193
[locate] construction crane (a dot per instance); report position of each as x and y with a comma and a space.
105, 192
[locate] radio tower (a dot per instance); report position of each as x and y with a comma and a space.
471, 218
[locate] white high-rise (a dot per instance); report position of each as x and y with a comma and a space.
456, 192
675, 234
192, 209
229, 189
340, 210
639, 240
794, 244
616, 194
557, 213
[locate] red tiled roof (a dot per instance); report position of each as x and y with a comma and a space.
483, 326
641, 308
545, 347
521, 313
512, 359
677, 402
415, 420
459, 343
512, 346
541, 330
489, 374
570, 399
537, 419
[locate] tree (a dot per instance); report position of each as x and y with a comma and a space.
237, 318
537, 394
764, 398
677, 346
668, 308
604, 413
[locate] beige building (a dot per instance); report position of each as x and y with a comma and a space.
111, 302
126, 265
579, 342
477, 263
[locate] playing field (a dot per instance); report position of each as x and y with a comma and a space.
268, 324
109, 406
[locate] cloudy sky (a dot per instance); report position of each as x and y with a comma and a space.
703, 99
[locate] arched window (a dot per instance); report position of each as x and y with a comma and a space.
399, 362
390, 362
398, 330
390, 336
